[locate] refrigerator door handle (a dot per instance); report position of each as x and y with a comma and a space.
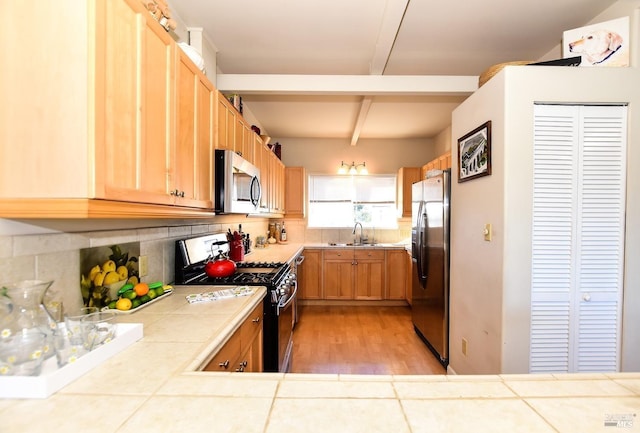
422, 261
419, 241
426, 243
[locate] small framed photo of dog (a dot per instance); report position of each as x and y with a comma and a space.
603, 44
474, 153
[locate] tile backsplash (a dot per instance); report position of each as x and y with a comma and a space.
56, 256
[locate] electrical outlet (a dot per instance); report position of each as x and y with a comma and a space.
143, 265
464, 346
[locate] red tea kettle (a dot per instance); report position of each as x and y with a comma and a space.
220, 267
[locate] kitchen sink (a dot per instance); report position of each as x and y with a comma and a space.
376, 244
334, 244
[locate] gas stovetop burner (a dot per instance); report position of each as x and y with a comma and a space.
192, 255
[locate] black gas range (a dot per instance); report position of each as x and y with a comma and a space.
191, 257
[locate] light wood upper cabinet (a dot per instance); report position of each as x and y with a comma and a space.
192, 180
100, 121
294, 188
227, 114
440, 163
406, 177
272, 178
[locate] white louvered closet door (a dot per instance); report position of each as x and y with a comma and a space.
578, 237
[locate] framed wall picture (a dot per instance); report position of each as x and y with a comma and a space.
474, 153
602, 44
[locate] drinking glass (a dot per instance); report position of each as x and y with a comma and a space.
98, 328
22, 353
73, 323
68, 348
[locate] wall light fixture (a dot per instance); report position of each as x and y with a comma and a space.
353, 168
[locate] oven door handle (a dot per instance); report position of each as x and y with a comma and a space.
284, 306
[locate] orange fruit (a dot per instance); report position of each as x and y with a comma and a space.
141, 289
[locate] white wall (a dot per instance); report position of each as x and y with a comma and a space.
490, 282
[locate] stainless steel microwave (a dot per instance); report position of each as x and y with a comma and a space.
237, 184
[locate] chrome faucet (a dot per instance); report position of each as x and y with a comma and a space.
354, 233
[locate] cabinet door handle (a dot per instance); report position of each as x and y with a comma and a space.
256, 320
224, 364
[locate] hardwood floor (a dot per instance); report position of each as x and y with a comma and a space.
359, 340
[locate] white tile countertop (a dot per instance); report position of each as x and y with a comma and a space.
151, 387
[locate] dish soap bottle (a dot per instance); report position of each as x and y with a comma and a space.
283, 233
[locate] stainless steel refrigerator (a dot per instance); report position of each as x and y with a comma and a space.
430, 261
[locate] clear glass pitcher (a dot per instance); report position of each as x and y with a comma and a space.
22, 309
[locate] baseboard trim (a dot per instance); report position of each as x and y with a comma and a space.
354, 303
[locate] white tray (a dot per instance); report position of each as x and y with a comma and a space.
52, 378
140, 307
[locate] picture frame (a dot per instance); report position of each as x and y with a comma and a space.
474, 153
602, 44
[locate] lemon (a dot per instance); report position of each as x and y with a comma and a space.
152, 294
124, 304
133, 280
123, 272
110, 278
98, 280
109, 266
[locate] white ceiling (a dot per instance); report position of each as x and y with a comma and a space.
409, 38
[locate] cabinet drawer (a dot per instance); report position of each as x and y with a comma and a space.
251, 326
227, 357
369, 254
334, 254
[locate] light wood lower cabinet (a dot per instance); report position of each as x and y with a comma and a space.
243, 351
396, 274
310, 275
354, 274
369, 281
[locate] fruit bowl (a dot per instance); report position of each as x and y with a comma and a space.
131, 298
114, 287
